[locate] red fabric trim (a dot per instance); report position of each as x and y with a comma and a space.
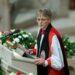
55, 72
34, 51
50, 42
52, 71
57, 33
48, 60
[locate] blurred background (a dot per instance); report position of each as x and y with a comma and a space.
21, 14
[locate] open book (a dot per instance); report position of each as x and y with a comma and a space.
21, 50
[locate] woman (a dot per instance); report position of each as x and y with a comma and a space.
50, 49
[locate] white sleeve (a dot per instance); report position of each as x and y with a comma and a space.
56, 57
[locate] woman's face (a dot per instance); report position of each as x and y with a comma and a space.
43, 21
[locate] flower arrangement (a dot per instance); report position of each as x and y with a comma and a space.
17, 36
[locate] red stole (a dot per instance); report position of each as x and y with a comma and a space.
52, 71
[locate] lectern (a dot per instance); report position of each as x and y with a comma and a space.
11, 61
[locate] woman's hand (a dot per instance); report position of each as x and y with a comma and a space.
29, 51
39, 61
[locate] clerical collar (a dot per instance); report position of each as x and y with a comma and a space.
42, 30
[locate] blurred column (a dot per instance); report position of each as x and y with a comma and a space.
4, 15
64, 8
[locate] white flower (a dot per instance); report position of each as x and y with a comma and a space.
25, 36
30, 43
13, 42
12, 73
19, 36
17, 40
65, 46
29, 33
30, 74
12, 30
21, 31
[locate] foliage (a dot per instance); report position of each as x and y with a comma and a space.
69, 46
